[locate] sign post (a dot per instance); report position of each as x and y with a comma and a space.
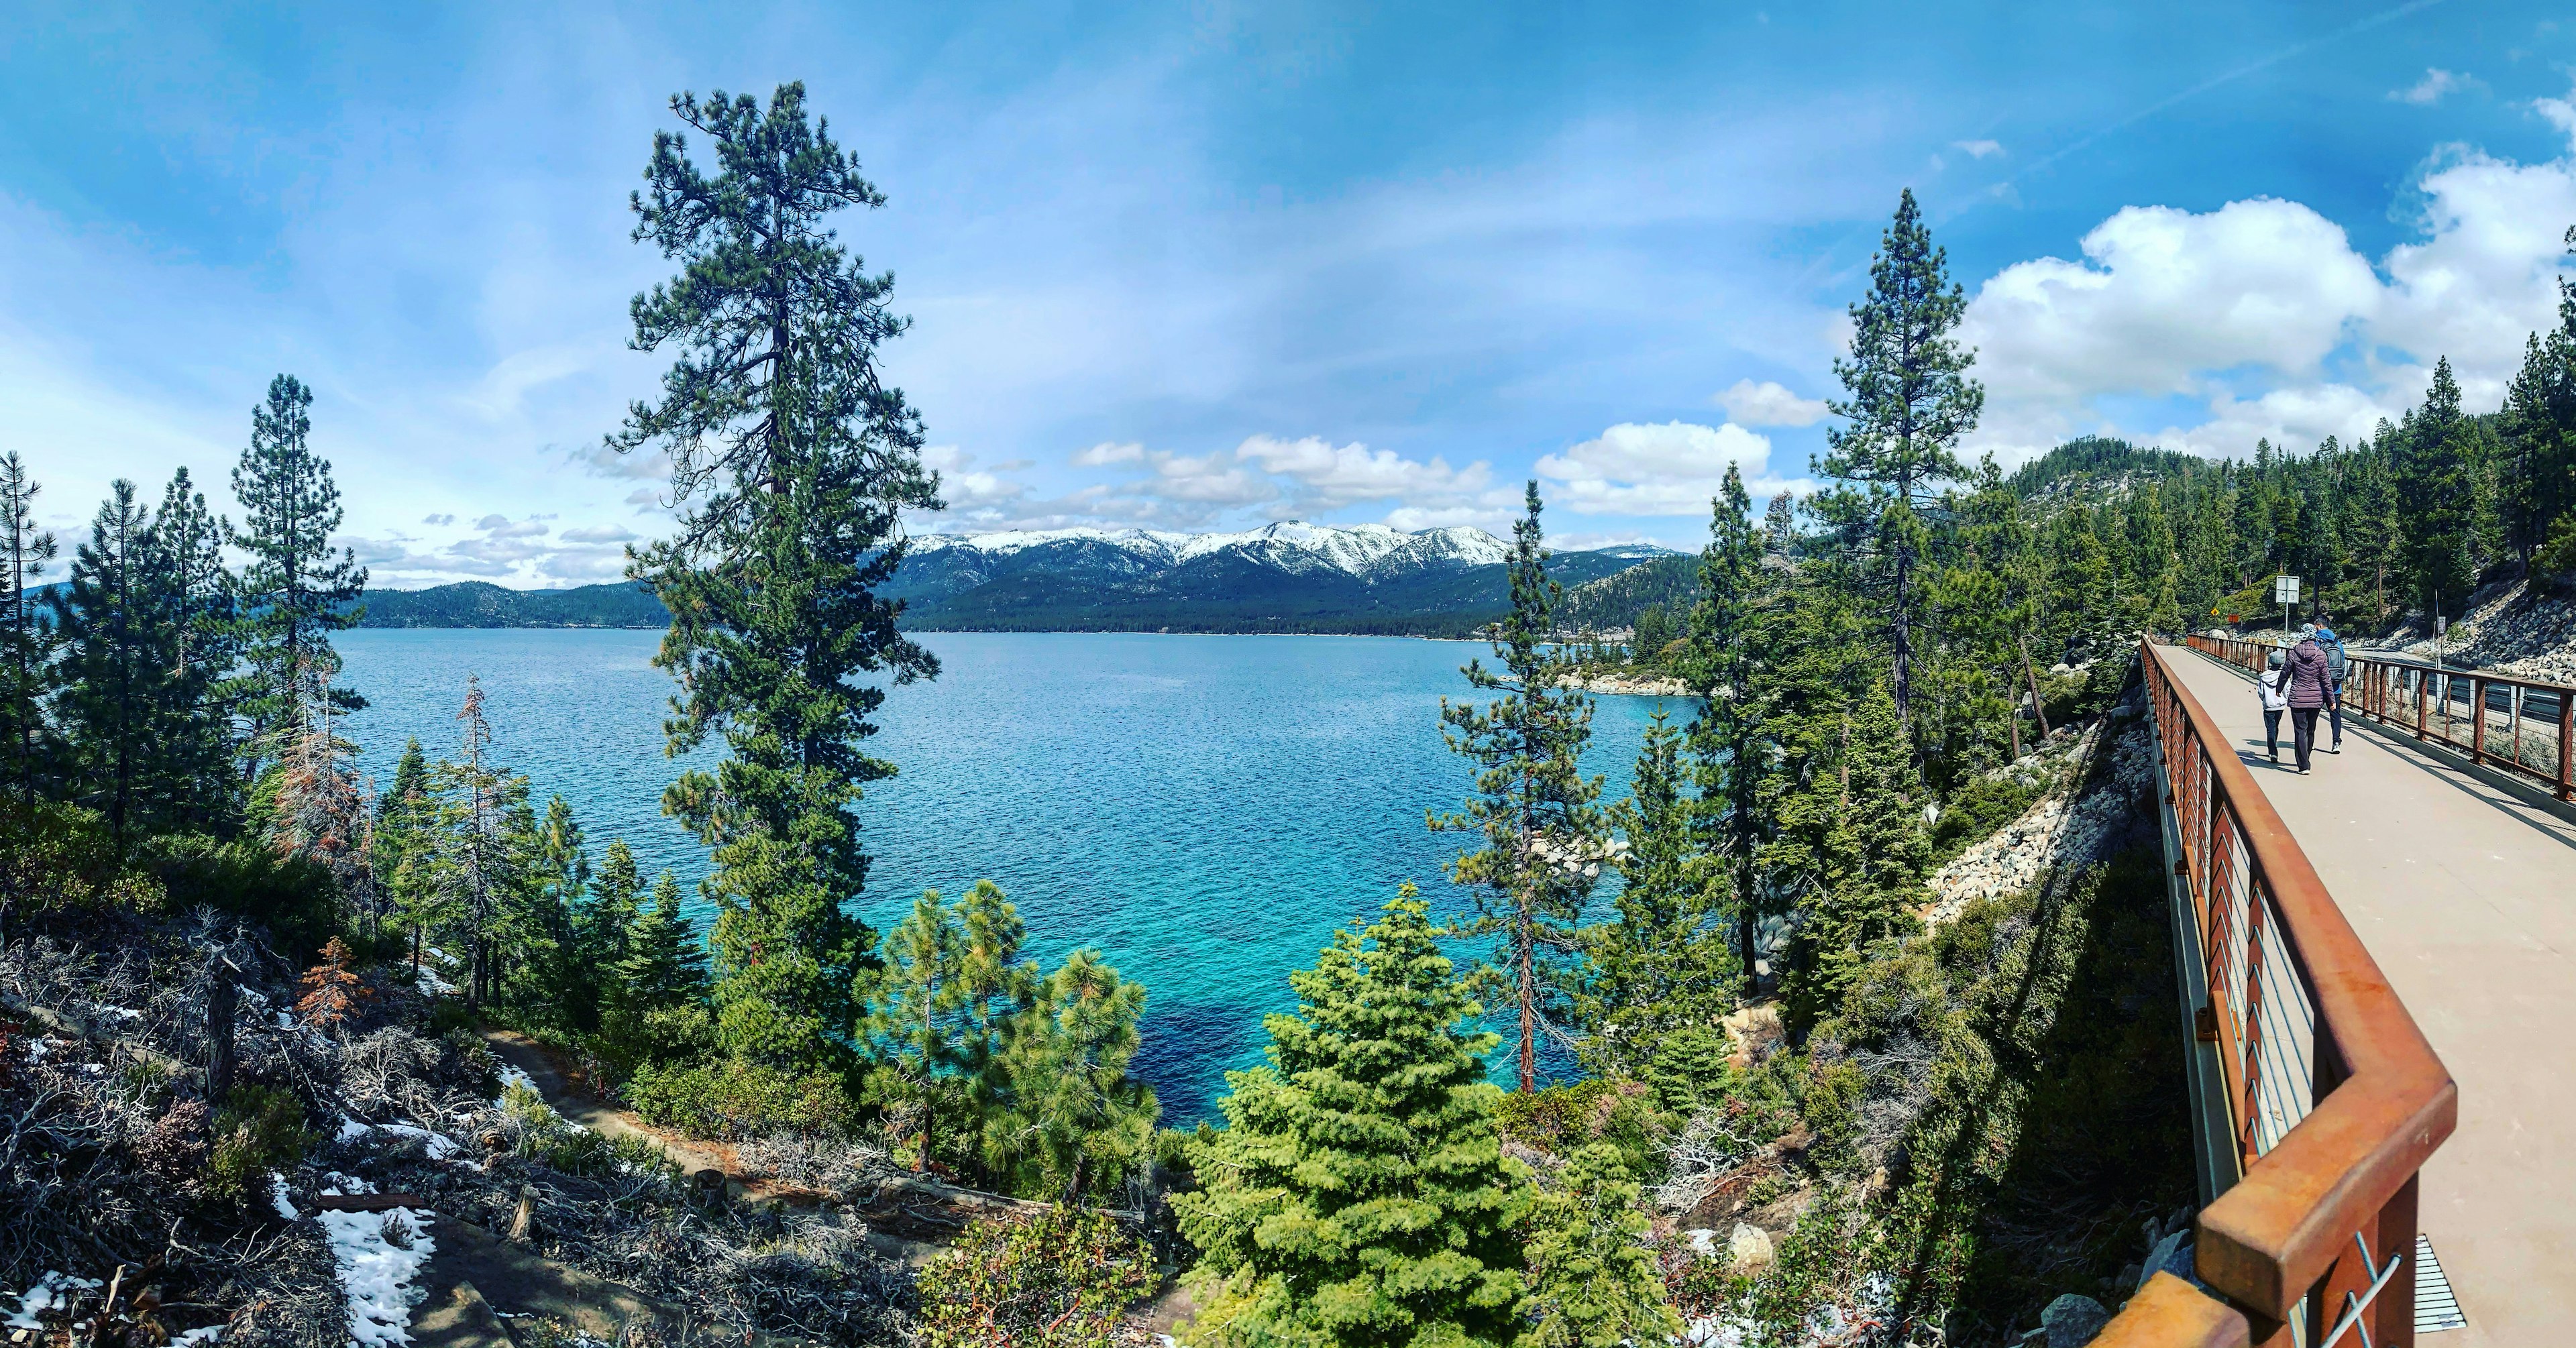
2285, 592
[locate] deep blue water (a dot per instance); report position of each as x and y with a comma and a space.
1204, 810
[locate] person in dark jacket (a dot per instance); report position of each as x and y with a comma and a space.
2310, 686
2337, 664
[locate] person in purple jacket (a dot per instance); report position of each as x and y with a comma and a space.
2311, 684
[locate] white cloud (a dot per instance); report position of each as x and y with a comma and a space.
1329, 476
1769, 404
1978, 149
1104, 454
2430, 89
966, 487
598, 533
1674, 468
2262, 312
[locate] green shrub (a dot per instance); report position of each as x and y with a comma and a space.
629, 1039
259, 1129
732, 1099
294, 895
1561, 1119
1057, 1279
62, 856
1982, 806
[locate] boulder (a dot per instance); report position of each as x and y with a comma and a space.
2073, 1320
1748, 1248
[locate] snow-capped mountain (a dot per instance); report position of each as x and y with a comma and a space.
1364, 551
1287, 576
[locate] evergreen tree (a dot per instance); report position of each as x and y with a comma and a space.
2437, 495
664, 965
1654, 632
1359, 1194
406, 851
121, 701
28, 746
616, 901
566, 977
1593, 1279
1075, 1119
1533, 812
1909, 400
1663, 965
486, 850
1729, 739
800, 460
189, 569
295, 590
953, 982
1876, 858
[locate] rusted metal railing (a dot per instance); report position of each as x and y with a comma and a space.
2330, 1097
2522, 726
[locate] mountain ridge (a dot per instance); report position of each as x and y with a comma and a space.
1287, 576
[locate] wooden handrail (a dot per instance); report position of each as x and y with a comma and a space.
2286, 1228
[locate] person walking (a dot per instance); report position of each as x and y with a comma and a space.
2331, 642
2306, 668
2272, 684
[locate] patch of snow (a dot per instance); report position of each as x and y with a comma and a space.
1703, 1241
377, 1274
201, 1334
53, 1291
441, 1146
431, 985
339, 1185
277, 1195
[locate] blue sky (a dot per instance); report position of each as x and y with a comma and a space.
1205, 265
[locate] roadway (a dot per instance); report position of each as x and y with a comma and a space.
2465, 893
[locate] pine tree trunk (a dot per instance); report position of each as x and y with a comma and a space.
2038, 709
220, 1001
1529, 1012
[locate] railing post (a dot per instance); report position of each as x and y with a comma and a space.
2423, 700
2566, 738
2478, 721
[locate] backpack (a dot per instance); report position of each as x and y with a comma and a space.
2335, 660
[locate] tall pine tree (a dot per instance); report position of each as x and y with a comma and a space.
1662, 967
1533, 811
122, 700
795, 460
28, 747
295, 588
1908, 400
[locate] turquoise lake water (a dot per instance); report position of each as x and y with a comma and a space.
1203, 809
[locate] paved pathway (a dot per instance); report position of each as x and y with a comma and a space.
2466, 895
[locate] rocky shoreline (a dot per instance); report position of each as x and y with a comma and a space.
1631, 685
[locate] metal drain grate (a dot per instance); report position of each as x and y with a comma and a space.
2435, 1306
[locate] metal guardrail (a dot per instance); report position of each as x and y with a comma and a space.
2330, 1096
2522, 726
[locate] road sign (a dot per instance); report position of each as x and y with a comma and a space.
2285, 589
2441, 626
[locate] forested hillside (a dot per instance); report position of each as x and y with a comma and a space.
476, 603
252, 995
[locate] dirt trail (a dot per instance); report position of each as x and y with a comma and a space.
581, 1107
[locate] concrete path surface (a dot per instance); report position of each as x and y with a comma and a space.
2466, 895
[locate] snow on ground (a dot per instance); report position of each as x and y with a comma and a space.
277, 1195
376, 1273
53, 1291
441, 1147
511, 1075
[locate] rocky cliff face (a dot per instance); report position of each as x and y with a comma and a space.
2107, 777
2507, 630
